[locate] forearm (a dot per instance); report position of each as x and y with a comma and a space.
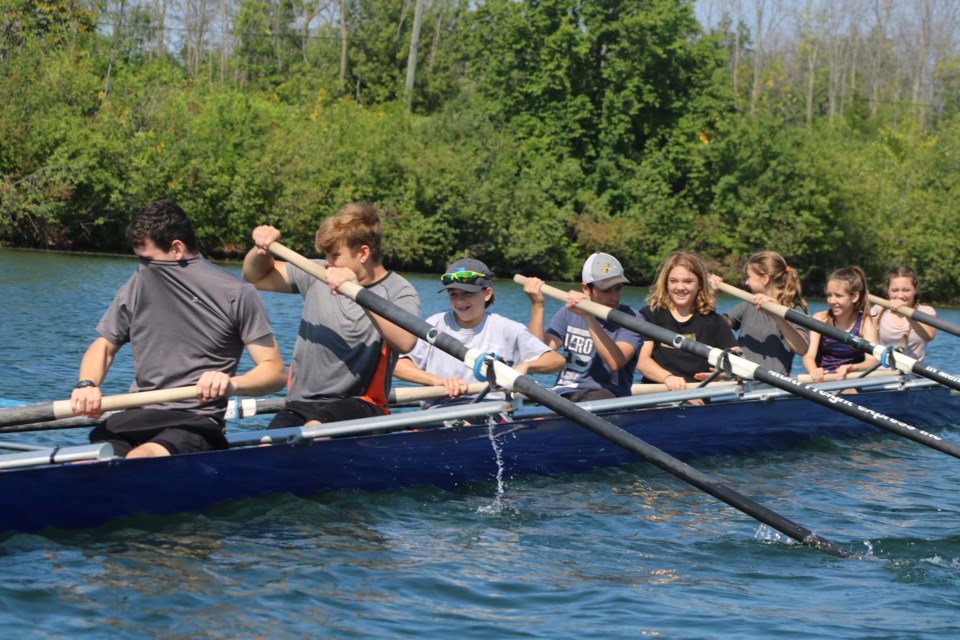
400, 340
256, 266
266, 377
798, 342
96, 361
407, 371
548, 362
536, 321
926, 332
607, 349
651, 371
868, 363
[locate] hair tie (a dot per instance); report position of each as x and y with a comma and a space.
787, 268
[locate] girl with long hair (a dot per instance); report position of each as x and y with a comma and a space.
847, 296
681, 301
895, 330
769, 340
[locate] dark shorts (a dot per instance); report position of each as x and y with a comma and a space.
175, 431
298, 412
586, 395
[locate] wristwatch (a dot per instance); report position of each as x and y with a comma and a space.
83, 384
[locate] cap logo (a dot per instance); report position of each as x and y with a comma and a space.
605, 267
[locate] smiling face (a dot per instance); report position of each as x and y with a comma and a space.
903, 289
682, 287
469, 306
839, 299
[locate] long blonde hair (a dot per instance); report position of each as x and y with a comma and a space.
774, 266
659, 297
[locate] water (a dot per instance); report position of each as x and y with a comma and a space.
616, 553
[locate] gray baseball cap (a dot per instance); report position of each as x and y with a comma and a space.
603, 271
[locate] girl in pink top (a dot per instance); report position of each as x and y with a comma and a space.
905, 334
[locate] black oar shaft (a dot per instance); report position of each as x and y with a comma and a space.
28, 413
447, 343
915, 314
671, 465
792, 385
902, 361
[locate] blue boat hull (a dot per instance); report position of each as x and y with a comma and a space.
88, 495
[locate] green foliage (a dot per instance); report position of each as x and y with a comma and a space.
541, 131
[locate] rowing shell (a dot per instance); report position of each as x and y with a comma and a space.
39, 495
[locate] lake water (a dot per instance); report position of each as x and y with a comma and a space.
618, 553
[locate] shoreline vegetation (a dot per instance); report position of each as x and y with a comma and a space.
527, 135
572, 283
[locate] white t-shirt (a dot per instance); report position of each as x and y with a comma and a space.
494, 335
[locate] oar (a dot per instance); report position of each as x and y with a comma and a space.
919, 316
746, 369
238, 408
58, 409
901, 361
511, 379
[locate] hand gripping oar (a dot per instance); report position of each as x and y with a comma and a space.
746, 369
511, 379
58, 409
919, 316
236, 408
901, 361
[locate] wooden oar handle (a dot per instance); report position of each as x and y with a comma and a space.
403, 395
62, 409
594, 308
59, 409
902, 310
770, 307
349, 288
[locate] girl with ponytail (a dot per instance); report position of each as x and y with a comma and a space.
847, 301
768, 340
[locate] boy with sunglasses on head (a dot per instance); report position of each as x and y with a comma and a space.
468, 284
600, 356
344, 356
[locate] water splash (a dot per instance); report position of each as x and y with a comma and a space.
497, 505
766, 533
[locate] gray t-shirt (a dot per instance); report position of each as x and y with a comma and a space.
339, 353
760, 338
182, 318
494, 335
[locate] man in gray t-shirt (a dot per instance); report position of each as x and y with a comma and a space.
187, 322
344, 356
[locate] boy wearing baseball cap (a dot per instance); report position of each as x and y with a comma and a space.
468, 284
600, 356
